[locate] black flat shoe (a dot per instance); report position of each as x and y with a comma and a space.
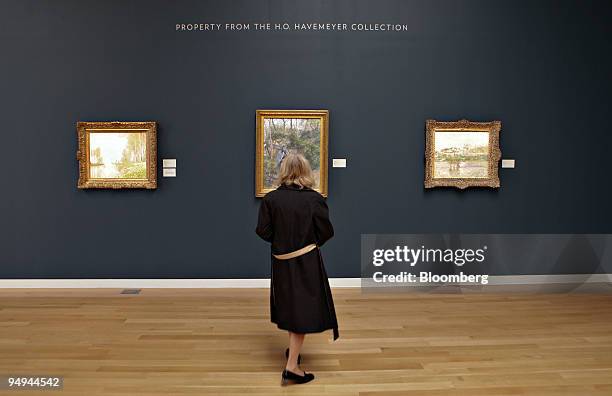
291, 378
287, 356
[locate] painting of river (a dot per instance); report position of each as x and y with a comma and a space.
461, 154
285, 135
117, 155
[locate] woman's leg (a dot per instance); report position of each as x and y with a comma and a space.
295, 345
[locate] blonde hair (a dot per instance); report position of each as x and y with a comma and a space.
295, 169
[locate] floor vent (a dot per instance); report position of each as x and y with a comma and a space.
130, 291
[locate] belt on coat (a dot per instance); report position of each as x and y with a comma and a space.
296, 253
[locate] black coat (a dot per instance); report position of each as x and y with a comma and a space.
300, 297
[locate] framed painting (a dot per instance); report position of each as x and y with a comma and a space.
280, 132
462, 154
117, 154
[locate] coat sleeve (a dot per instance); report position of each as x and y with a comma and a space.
323, 227
264, 222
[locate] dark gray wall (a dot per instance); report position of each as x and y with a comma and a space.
541, 67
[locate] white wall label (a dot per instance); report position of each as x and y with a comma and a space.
169, 172
169, 163
507, 163
339, 163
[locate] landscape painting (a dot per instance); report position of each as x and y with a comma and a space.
290, 135
462, 154
280, 132
117, 154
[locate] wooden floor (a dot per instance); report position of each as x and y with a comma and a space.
220, 341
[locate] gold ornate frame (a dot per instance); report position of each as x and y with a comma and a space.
85, 181
261, 115
493, 128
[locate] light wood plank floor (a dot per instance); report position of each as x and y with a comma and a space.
220, 341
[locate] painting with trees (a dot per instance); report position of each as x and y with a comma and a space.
280, 132
462, 154
117, 154
121, 155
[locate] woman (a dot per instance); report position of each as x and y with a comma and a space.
294, 218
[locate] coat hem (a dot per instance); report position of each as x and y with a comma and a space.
318, 330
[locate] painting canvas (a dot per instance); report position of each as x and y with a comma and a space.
462, 154
280, 132
117, 154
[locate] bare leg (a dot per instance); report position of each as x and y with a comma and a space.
295, 345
